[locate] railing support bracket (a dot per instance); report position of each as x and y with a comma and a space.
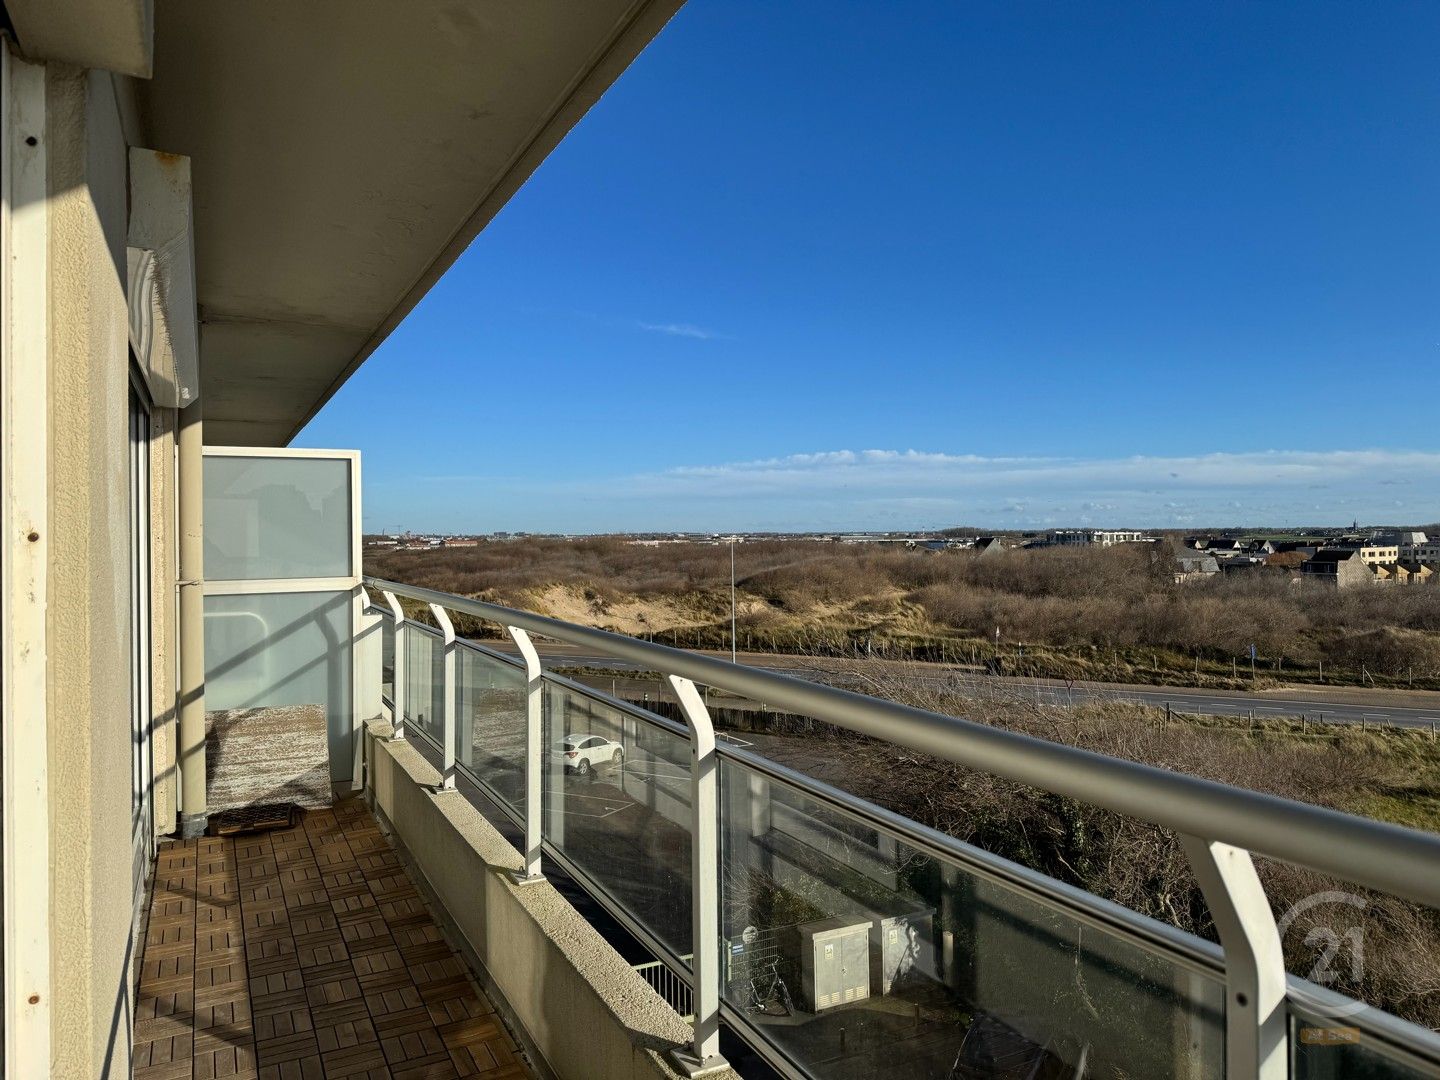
704, 1055
397, 691
1255, 1016
447, 708
530, 873
687, 1063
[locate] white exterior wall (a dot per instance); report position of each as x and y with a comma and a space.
81, 916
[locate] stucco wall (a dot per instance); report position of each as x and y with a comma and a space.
586, 1011
88, 620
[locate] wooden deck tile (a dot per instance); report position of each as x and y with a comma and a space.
293, 1047
337, 1015
295, 1020
346, 1034
305, 953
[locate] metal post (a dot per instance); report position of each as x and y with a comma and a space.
733, 658
397, 692
191, 604
367, 679
447, 709
704, 1055
534, 754
1255, 1015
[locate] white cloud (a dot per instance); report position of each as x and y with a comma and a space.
855, 487
903, 489
687, 330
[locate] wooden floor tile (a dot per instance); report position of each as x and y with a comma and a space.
305, 954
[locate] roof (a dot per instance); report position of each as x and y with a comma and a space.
1197, 562
342, 162
1332, 556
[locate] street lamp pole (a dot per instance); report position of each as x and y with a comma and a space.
733, 658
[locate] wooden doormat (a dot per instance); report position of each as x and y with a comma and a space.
251, 819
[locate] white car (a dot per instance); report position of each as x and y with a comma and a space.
584, 753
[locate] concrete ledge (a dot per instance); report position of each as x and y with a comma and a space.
586, 1012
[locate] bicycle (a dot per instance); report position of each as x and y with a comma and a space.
768, 993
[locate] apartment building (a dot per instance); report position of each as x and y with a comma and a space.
1100, 537
1413, 546
1378, 552
212, 215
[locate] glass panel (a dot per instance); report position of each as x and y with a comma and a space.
1350, 949
491, 719
860, 955
425, 680
387, 656
276, 518
279, 649
1330, 1048
621, 810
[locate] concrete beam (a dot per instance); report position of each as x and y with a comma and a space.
113, 35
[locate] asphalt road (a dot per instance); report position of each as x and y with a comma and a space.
1231, 703
1339, 705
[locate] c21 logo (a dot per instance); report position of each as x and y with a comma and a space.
1333, 950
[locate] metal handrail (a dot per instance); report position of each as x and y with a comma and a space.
1391, 858
1106, 915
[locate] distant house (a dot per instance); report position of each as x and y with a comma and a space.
1412, 573
1241, 563
1283, 547
1341, 567
1194, 565
990, 545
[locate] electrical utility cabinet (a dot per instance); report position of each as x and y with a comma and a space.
835, 962
901, 947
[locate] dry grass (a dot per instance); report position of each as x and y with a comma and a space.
1394, 775
1069, 612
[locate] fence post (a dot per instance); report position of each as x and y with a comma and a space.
534, 754
1255, 1016
397, 692
704, 1054
447, 708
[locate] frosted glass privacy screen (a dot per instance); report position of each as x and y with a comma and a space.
268, 518
271, 650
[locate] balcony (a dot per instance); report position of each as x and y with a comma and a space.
825, 936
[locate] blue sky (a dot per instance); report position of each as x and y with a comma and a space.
906, 265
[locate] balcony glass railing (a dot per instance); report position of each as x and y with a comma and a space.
841, 940
490, 724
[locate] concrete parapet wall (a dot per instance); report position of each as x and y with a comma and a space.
584, 1010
